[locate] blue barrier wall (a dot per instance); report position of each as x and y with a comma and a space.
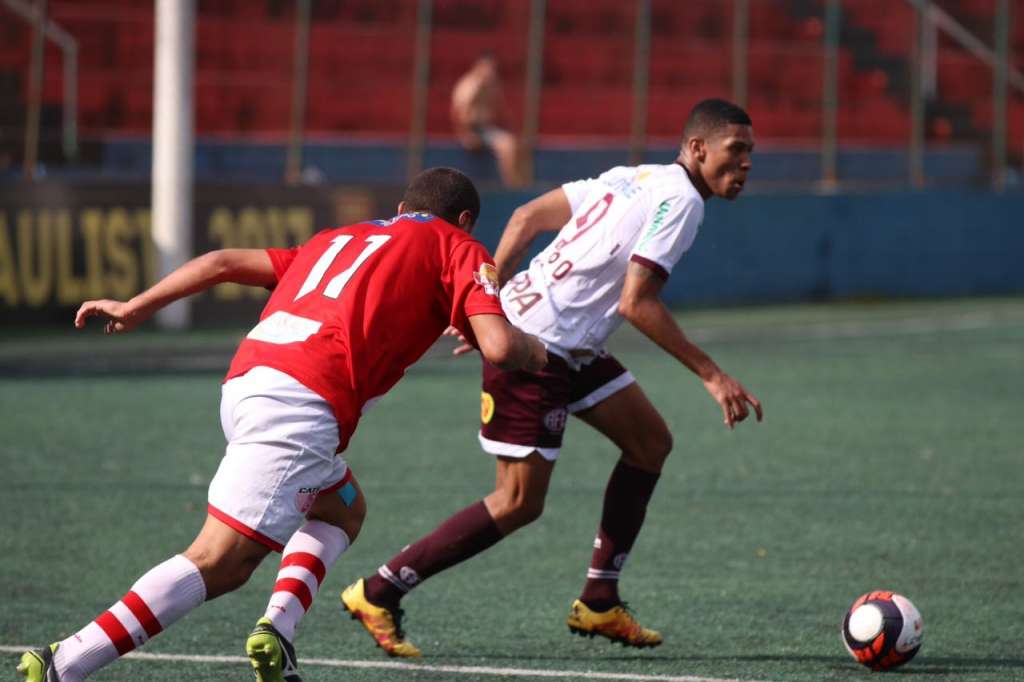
378, 162
61, 243
773, 248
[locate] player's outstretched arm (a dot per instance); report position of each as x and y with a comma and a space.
242, 266
506, 347
641, 304
547, 213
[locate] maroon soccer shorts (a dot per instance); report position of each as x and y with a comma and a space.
525, 411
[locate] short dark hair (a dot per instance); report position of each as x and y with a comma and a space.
445, 192
710, 115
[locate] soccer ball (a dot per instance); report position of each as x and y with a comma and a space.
882, 630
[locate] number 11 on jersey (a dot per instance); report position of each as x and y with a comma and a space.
338, 282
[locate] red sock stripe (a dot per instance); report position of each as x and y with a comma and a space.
119, 637
142, 614
310, 562
297, 587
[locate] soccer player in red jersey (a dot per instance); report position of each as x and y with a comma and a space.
619, 237
351, 309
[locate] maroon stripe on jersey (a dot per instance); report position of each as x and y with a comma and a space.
337, 486
297, 587
119, 637
243, 529
650, 265
142, 614
308, 561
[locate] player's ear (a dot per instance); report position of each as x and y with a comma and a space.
697, 148
466, 221
401, 208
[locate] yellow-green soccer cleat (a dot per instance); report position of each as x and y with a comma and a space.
37, 666
384, 625
617, 624
272, 656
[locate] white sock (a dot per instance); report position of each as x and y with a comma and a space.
310, 552
157, 599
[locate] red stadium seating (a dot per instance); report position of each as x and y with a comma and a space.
362, 51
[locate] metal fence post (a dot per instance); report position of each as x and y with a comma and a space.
35, 91
420, 87
917, 109
534, 74
641, 77
300, 76
999, 110
830, 97
69, 130
740, 38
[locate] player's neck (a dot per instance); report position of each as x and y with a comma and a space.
696, 180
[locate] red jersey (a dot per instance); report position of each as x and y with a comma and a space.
355, 306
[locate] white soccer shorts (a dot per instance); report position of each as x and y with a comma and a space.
280, 455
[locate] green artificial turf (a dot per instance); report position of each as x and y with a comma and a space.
890, 458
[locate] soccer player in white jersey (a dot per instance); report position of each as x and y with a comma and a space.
619, 238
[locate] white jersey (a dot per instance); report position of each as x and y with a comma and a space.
569, 296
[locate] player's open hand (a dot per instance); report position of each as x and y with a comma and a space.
464, 346
121, 317
733, 398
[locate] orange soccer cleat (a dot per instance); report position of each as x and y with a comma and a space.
384, 625
617, 624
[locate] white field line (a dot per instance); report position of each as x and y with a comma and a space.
450, 669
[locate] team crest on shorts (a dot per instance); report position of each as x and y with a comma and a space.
487, 277
554, 420
305, 498
486, 407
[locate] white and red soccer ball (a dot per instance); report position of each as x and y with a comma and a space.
882, 630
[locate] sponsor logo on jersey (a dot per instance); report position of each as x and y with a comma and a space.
305, 498
486, 407
659, 220
554, 420
487, 277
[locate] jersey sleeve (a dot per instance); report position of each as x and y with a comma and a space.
668, 233
472, 282
576, 192
281, 259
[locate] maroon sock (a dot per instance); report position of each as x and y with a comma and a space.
625, 504
463, 535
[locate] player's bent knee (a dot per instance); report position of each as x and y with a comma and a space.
531, 510
223, 572
345, 509
353, 522
650, 452
661, 445
518, 511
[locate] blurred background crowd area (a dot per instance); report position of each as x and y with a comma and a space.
361, 75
